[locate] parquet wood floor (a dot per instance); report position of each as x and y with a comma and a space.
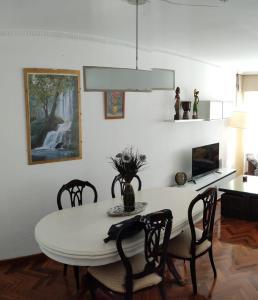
235, 255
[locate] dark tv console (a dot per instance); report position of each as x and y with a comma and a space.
240, 199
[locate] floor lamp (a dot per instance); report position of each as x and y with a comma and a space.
239, 121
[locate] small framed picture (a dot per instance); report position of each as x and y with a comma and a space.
114, 104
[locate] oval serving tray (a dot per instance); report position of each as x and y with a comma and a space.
118, 210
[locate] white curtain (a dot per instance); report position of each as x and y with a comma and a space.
247, 97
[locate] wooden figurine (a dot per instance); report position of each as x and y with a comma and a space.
195, 106
177, 104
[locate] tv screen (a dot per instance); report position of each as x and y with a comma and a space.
205, 159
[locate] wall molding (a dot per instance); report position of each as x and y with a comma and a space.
22, 258
170, 52
70, 36
44, 34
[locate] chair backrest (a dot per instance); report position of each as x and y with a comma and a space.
209, 200
75, 188
156, 228
119, 179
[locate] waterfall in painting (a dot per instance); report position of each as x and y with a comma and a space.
64, 110
54, 139
57, 138
65, 107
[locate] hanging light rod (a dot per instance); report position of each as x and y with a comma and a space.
140, 2
136, 35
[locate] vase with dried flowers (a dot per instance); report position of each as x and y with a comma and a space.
128, 163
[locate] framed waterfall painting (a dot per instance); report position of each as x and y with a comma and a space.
52, 115
114, 104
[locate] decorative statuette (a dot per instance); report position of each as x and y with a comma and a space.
195, 106
177, 104
180, 178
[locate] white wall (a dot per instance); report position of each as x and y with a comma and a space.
27, 193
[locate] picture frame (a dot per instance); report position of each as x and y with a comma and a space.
53, 115
114, 104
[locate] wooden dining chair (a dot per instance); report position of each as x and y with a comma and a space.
118, 179
142, 271
194, 242
75, 189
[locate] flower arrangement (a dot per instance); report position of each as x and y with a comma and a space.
128, 163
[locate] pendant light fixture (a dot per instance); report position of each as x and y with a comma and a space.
125, 79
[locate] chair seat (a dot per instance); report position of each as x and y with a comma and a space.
112, 275
180, 246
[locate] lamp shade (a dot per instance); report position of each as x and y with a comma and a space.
116, 79
162, 79
122, 79
239, 119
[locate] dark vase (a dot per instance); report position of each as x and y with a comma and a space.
128, 197
186, 105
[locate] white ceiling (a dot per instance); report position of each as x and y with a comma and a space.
213, 31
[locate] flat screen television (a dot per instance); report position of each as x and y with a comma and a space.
205, 159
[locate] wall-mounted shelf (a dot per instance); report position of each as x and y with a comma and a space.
207, 111
184, 120
188, 120
210, 110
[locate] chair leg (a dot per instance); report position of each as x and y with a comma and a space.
128, 296
193, 275
212, 262
90, 284
77, 276
174, 271
65, 270
162, 291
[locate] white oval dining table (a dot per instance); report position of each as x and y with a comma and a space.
75, 236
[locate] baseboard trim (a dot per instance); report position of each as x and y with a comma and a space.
22, 258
